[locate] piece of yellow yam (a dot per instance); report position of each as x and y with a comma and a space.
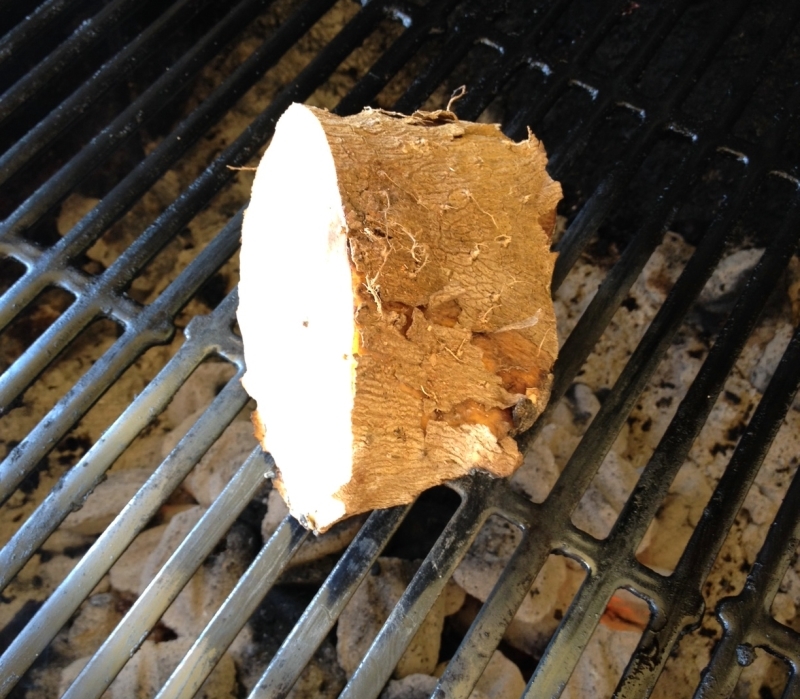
394, 304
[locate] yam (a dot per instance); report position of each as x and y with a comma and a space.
394, 304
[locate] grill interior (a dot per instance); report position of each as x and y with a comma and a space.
123, 128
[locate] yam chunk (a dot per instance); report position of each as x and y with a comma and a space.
394, 304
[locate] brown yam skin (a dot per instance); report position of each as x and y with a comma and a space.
449, 231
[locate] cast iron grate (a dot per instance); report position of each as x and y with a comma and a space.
635, 102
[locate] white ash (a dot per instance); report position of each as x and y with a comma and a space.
417, 686
219, 464
106, 501
97, 617
602, 664
151, 666
500, 680
195, 395
189, 614
127, 574
371, 605
486, 560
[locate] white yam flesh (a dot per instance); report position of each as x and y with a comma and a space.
296, 315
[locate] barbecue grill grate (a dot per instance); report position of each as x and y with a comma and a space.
636, 102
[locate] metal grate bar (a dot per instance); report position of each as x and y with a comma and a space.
423, 590
125, 125
546, 528
681, 601
96, 86
79, 481
69, 278
458, 45
153, 325
51, 265
86, 35
693, 411
601, 433
609, 193
515, 53
205, 335
205, 653
486, 631
575, 239
396, 57
574, 632
741, 616
782, 639
473, 654
576, 140
321, 614
792, 689
131, 632
38, 20
619, 280
452, 52
85, 475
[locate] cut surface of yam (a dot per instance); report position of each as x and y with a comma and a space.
394, 304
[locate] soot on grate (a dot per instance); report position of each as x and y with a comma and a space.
647, 544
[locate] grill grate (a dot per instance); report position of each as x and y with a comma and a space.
636, 102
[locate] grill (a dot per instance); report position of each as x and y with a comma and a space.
656, 115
